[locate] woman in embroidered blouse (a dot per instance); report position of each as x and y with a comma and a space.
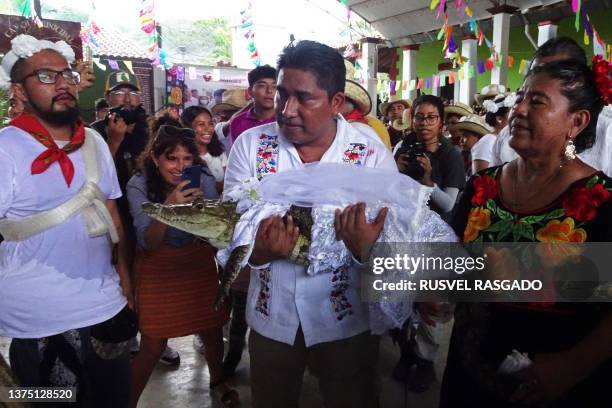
177, 279
546, 195
209, 146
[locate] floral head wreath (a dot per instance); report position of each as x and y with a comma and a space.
601, 73
24, 46
491, 106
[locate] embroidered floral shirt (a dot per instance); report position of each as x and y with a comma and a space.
485, 333
282, 296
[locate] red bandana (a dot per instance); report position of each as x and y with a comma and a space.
53, 153
355, 116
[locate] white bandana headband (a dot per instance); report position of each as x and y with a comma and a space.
493, 107
24, 46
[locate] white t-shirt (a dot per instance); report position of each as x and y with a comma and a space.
599, 156
59, 279
216, 165
502, 152
483, 150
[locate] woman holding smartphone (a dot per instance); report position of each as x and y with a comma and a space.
176, 281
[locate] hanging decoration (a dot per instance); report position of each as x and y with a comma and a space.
26, 8
590, 33
149, 26
89, 34
246, 24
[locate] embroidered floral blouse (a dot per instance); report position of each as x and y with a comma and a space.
567, 219
485, 333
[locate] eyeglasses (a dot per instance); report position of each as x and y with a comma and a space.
123, 94
429, 119
49, 76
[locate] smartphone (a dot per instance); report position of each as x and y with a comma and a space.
193, 174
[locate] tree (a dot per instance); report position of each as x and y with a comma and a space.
201, 42
219, 28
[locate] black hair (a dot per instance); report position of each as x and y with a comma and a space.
562, 45
166, 140
19, 70
161, 118
578, 86
261, 72
100, 104
431, 100
325, 63
215, 147
491, 117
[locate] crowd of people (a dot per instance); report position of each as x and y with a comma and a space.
84, 268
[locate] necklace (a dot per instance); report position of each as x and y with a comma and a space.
537, 191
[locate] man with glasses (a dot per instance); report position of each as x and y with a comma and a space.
59, 218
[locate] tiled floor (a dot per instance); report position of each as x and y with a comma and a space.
187, 385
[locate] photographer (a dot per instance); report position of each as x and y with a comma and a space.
125, 130
426, 156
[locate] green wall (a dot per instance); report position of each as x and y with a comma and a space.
430, 54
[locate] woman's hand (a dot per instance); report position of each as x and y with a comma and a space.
425, 163
178, 196
548, 378
402, 162
352, 228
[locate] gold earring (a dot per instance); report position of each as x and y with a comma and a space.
570, 151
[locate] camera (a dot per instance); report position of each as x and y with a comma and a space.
412, 150
128, 115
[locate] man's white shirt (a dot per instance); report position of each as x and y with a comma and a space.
282, 296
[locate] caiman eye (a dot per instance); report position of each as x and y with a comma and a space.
198, 206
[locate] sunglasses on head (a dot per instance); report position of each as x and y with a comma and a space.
172, 132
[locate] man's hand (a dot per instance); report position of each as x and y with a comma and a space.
86, 73
352, 228
115, 132
274, 240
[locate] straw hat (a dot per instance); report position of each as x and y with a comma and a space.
358, 94
394, 99
474, 124
458, 108
490, 92
404, 123
232, 100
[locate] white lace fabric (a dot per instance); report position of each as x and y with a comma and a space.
326, 187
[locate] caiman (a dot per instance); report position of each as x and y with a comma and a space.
214, 222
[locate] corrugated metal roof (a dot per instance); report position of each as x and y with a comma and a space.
412, 22
115, 44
